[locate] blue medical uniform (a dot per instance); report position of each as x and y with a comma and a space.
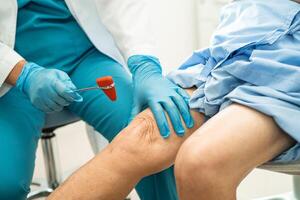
253, 60
48, 35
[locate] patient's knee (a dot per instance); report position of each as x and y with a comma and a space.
202, 160
144, 126
139, 136
143, 144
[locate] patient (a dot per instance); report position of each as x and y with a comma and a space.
245, 87
210, 164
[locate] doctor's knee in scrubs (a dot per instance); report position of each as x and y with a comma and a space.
51, 48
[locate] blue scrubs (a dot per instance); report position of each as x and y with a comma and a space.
48, 35
253, 60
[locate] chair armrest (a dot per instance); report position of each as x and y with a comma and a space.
292, 168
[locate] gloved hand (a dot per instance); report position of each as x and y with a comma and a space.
153, 90
48, 89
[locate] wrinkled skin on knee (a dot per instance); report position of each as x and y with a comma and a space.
142, 143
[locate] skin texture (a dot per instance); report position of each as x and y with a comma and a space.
218, 155
223, 151
14, 74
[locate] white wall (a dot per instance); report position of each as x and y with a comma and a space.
175, 27
208, 17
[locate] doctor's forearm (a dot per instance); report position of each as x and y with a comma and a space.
14, 74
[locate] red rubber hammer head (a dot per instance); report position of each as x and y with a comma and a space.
107, 85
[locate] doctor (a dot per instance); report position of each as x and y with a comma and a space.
48, 49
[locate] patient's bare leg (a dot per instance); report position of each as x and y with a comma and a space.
213, 161
138, 151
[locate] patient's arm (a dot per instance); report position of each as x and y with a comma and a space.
138, 151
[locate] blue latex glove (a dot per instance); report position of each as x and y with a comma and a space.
153, 90
48, 89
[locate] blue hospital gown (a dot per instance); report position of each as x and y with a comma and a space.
253, 60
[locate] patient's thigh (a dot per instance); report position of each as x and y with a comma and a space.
237, 139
